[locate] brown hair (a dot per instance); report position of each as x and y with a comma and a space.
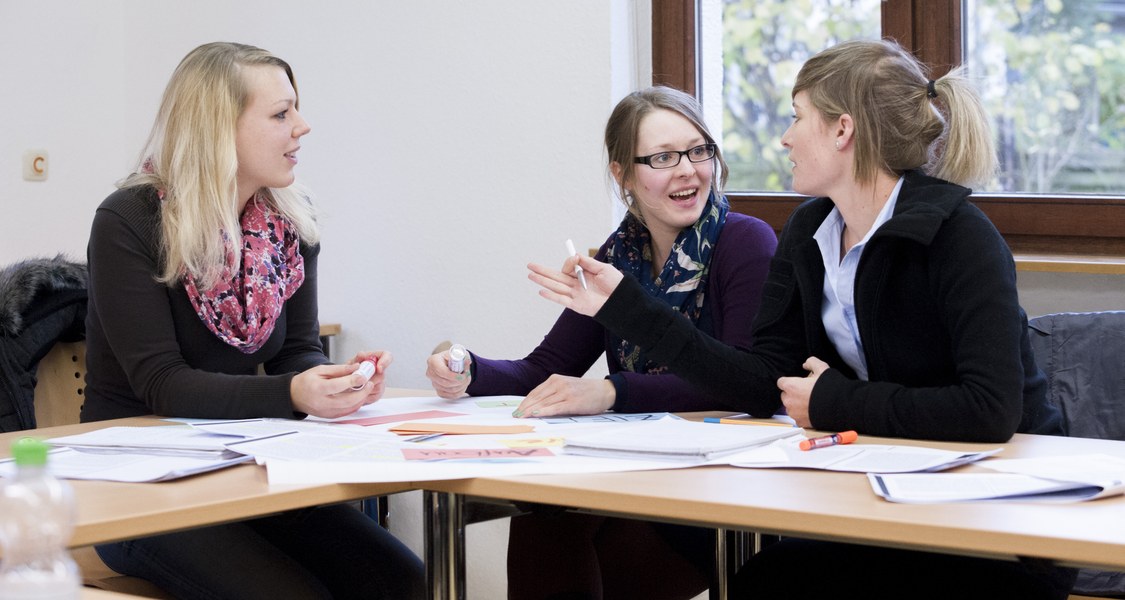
886, 91
624, 124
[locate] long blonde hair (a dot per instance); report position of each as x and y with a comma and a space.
886, 90
192, 158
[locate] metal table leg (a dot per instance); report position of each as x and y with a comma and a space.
732, 548
445, 545
718, 589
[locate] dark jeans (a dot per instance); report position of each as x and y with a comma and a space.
558, 555
324, 552
794, 569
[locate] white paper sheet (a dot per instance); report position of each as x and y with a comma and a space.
675, 439
67, 463
857, 458
1050, 479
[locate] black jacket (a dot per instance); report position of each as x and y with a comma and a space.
943, 334
42, 301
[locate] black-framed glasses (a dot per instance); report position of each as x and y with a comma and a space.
671, 158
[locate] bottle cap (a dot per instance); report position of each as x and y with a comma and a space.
30, 452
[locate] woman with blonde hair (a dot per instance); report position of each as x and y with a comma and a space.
890, 309
202, 267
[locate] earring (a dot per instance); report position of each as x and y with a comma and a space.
837, 145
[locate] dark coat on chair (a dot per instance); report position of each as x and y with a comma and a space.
1083, 355
42, 301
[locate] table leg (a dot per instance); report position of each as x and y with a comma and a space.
732, 548
718, 589
445, 545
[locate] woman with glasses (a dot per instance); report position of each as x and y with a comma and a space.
689, 253
890, 309
203, 266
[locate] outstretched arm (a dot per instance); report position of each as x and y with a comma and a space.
563, 287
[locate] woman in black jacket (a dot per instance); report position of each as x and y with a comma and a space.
890, 308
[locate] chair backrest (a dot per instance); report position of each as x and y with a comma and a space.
61, 385
1083, 356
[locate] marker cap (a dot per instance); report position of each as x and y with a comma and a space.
457, 355
367, 369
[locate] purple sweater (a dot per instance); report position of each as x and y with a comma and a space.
738, 270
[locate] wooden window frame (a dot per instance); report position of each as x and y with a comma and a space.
1032, 224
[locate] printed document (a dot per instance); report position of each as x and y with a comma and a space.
857, 458
1051, 479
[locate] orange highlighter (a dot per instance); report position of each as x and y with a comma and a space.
844, 437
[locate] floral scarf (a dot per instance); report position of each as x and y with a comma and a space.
243, 307
682, 281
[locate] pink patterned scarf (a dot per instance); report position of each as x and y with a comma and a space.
243, 307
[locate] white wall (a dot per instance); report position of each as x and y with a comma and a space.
452, 143
1043, 293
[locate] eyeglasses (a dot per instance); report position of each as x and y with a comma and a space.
671, 158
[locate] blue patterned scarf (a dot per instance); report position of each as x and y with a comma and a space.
682, 281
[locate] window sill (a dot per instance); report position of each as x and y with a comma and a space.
1093, 265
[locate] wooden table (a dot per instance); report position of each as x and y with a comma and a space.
811, 504
814, 504
110, 511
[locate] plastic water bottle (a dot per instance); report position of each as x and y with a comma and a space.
37, 514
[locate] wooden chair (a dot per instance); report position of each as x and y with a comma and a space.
61, 383
59, 393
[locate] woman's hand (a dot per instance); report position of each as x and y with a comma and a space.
565, 395
564, 287
327, 391
378, 382
447, 384
796, 392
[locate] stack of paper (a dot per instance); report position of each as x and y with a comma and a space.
67, 463
1051, 479
675, 439
172, 440
864, 458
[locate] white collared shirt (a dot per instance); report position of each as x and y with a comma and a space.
838, 309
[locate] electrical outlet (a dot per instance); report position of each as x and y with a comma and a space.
35, 165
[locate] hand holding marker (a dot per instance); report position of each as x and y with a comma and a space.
577, 269
457, 354
844, 437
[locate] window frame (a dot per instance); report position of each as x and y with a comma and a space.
1032, 224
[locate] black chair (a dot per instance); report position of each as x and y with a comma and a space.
1083, 356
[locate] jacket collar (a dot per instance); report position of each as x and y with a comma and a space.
924, 203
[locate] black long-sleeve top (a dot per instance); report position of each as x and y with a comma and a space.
943, 334
148, 352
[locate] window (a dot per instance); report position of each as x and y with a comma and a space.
1086, 154
764, 45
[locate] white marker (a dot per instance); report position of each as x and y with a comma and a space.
577, 269
367, 369
457, 354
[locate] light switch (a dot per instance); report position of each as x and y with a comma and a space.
35, 165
